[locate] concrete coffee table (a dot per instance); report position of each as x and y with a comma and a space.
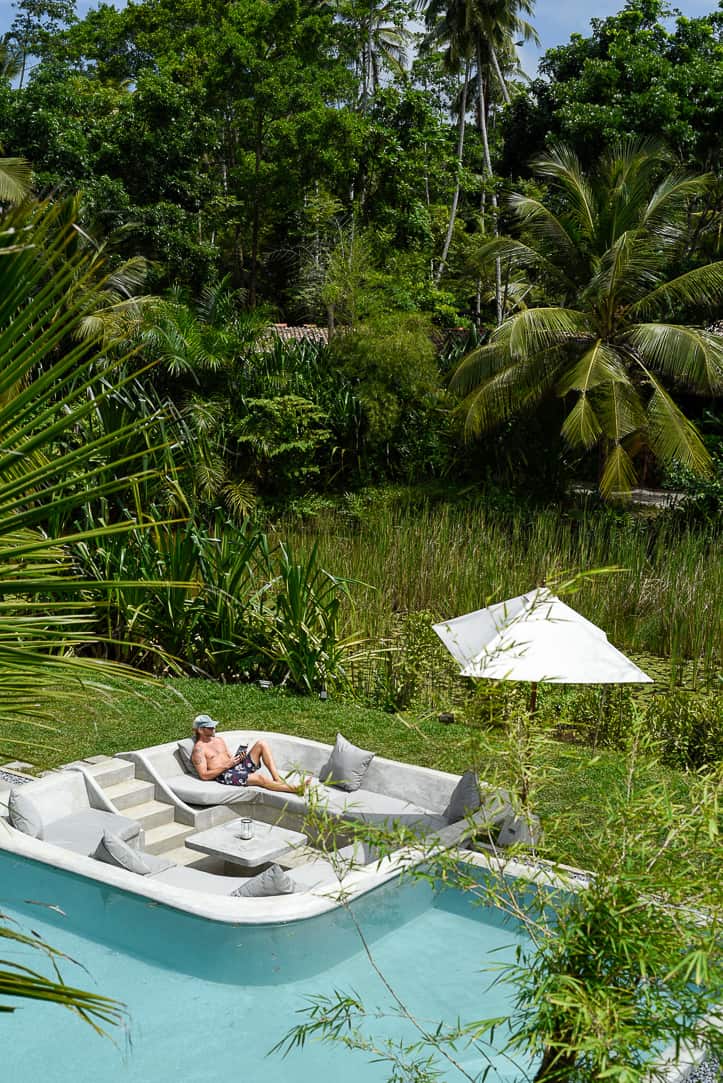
268, 842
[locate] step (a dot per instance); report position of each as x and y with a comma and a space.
110, 771
133, 791
166, 837
150, 814
181, 855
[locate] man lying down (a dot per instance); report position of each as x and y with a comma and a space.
214, 762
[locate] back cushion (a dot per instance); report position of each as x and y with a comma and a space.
272, 881
113, 850
465, 798
24, 815
347, 765
185, 751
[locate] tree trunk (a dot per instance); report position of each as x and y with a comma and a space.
500, 76
256, 216
455, 198
488, 166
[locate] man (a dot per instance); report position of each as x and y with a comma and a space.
213, 761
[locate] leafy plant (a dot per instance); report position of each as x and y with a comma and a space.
609, 248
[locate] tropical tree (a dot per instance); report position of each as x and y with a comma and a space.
474, 34
53, 463
607, 249
380, 40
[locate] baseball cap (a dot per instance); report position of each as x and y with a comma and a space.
204, 721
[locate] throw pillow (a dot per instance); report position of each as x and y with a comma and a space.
185, 751
347, 765
24, 815
465, 798
114, 851
272, 881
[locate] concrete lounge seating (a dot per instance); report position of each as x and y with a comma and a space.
391, 792
74, 812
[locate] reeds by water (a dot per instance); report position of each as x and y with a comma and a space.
447, 560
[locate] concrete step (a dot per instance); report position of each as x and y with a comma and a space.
181, 855
132, 791
110, 771
150, 814
166, 837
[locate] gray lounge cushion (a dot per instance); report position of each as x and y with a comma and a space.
272, 881
24, 815
82, 831
347, 765
185, 751
194, 791
465, 798
113, 850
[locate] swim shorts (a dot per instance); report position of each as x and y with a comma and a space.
238, 775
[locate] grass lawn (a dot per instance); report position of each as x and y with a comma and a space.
573, 792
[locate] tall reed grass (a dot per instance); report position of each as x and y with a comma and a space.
448, 559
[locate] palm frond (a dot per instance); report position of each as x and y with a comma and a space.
672, 436
688, 354
479, 365
619, 409
582, 427
701, 287
618, 476
517, 387
15, 178
562, 166
546, 226
600, 364
536, 329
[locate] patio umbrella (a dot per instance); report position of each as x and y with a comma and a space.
534, 638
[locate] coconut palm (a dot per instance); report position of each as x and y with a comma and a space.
474, 35
54, 462
607, 249
381, 40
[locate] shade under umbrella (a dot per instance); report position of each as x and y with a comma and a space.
536, 638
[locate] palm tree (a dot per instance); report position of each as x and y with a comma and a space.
52, 385
476, 33
606, 248
381, 40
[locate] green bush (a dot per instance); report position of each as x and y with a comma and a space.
689, 727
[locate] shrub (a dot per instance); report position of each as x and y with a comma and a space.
689, 727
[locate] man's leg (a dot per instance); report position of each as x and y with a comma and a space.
275, 784
261, 753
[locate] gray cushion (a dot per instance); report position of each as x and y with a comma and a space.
24, 815
185, 751
272, 881
82, 831
520, 829
347, 765
194, 791
465, 798
114, 851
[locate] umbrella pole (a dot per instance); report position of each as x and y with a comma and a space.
533, 697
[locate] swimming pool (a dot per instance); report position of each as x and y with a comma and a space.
207, 1001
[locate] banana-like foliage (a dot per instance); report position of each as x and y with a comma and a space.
56, 462
607, 248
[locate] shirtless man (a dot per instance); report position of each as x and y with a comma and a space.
213, 761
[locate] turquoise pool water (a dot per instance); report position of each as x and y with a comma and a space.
207, 1002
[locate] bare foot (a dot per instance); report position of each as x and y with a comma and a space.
303, 786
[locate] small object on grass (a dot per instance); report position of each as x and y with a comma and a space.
446, 718
264, 685
323, 694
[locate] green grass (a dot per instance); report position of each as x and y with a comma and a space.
576, 787
449, 559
